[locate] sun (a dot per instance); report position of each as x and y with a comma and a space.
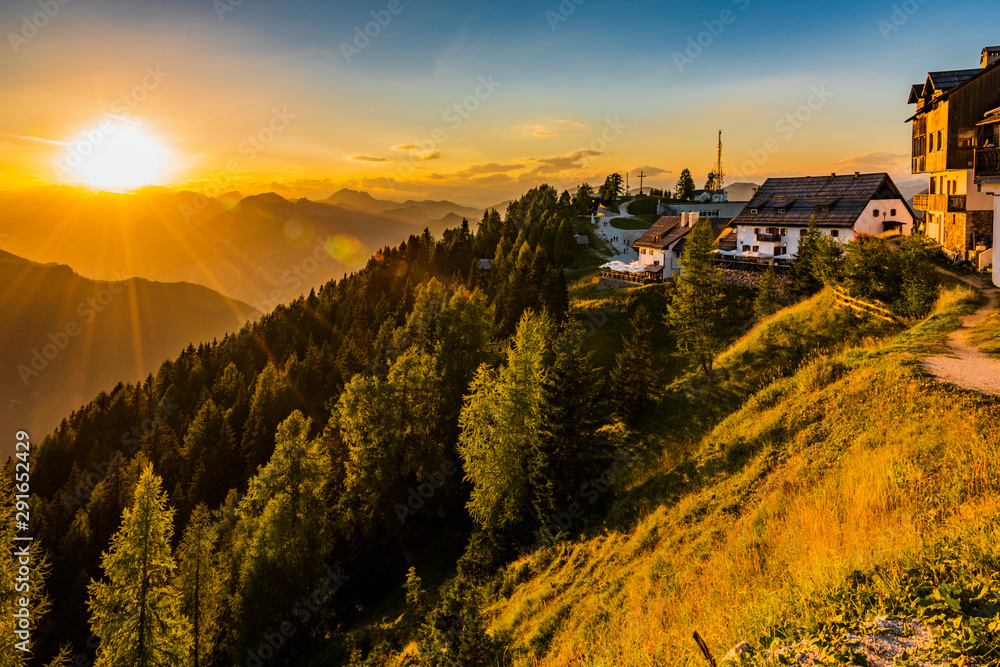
119, 156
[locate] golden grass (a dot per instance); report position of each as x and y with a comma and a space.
856, 460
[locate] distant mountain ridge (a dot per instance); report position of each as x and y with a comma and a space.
65, 337
263, 249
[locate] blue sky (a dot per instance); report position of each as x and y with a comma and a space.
560, 82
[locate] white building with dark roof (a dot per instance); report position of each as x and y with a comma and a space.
779, 214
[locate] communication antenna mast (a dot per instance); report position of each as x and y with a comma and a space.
718, 167
715, 178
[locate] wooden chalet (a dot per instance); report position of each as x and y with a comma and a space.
951, 106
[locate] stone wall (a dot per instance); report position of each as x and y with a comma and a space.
612, 283
751, 278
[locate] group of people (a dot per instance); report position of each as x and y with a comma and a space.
627, 245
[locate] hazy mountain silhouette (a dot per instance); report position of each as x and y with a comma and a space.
65, 338
263, 249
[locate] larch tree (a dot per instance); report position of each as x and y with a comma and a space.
281, 535
695, 313
501, 424
136, 613
199, 581
391, 429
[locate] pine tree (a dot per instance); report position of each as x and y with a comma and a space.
136, 613
802, 279
572, 448
684, 190
633, 376
766, 302
199, 583
695, 313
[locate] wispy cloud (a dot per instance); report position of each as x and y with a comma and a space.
429, 155
544, 133
405, 147
367, 158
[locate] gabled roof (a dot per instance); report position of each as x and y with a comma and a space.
836, 201
945, 81
657, 235
668, 231
720, 228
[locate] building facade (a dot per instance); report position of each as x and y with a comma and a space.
779, 215
949, 107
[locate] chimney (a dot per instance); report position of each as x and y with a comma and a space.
834, 174
991, 54
856, 174
693, 218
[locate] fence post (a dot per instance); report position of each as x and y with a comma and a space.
704, 649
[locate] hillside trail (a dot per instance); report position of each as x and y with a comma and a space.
621, 247
967, 366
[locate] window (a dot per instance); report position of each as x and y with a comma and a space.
756, 230
892, 213
940, 142
753, 211
933, 188
756, 248
802, 232
746, 248
781, 210
965, 137
875, 212
835, 233
784, 232
930, 144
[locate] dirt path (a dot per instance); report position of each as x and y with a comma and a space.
967, 366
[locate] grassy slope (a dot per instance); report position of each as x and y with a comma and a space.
636, 223
849, 460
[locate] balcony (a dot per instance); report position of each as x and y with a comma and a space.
769, 238
940, 203
988, 164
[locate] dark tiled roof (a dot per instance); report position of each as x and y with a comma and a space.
719, 229
656, 236
668, 230
950, 79
728, 239
845, 199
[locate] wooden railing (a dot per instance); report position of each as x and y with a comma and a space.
949, 203
987, 162
844, 300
